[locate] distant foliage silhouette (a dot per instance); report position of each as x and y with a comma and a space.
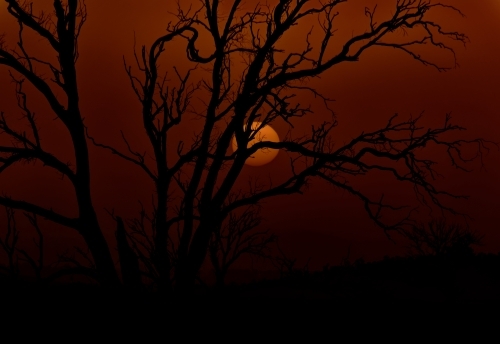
439, 238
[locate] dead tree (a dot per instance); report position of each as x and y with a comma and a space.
16, 258
8, 245
129, 262
60, 33
236, 237
439, 238
14, 254
201, 175
194, 182
285, 264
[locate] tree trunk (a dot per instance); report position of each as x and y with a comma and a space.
129, 263
92, 234
161, 258
189, 267
220, 279
89, 224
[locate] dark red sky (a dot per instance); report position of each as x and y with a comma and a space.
323, 222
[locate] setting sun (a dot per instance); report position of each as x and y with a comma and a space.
265, 155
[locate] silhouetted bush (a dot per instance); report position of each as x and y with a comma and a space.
439, 238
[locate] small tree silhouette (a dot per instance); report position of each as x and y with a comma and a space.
439, 238
237, 237
9, 245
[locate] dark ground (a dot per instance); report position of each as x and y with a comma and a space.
428, 290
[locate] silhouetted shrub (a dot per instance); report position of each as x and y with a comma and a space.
439, 238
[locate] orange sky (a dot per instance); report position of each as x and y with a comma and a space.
322, 222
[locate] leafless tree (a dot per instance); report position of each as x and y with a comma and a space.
263, 92
194, 182
287, 265
60, 31
438, 238
21, 256
236, 237
9, 245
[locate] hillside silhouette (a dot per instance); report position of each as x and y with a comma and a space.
399, 281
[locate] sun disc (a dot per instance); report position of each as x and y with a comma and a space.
264, 155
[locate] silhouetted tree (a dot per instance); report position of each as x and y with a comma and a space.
236, 237
129, 260
60, 32
439, 238
287, 264
194, 183
9, 245
262, 94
